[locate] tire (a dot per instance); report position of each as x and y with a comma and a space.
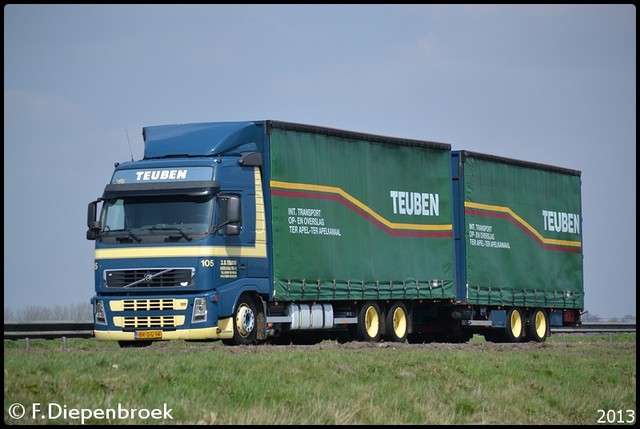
397, 322
538, 329
369, 322
514, 331
245, 320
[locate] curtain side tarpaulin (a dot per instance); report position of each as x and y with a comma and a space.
355, 219
523, 230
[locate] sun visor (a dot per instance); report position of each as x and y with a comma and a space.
193, 189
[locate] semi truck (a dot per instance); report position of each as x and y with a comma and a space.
270, 231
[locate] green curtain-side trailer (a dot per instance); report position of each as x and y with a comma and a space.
518, 235
359, 217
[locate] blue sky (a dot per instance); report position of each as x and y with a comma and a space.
553, 84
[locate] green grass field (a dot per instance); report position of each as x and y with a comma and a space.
566, 380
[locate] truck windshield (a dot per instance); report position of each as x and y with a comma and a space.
157, 215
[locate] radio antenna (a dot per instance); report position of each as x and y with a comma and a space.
130, 151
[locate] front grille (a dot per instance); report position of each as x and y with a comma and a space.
147, 304
149, 321
149, 277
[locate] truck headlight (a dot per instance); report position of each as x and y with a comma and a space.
199, 310
101, 315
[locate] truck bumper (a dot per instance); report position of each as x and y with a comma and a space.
223, 331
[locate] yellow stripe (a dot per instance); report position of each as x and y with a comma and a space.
523, 223
359, 204
261, 220
257, 251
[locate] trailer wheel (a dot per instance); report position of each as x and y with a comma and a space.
538, 326
514, 330
369, 322
244, 322
397, 322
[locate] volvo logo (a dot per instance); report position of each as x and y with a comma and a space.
148, 278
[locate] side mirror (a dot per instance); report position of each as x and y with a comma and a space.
232, 229
234, 212
232, 209
93, 225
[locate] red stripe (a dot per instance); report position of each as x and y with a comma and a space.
349, 205
510, 218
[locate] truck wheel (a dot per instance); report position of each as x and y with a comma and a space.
397, 322
244, 322
515, 326
538, 326
369, 322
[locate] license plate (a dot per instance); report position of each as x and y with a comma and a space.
148, 335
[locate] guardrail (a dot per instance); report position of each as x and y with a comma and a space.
596, 327
54, 329
47, 330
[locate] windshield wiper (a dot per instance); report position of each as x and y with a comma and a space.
126, 237
180, 234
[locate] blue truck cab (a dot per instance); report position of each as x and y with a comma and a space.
181, 235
